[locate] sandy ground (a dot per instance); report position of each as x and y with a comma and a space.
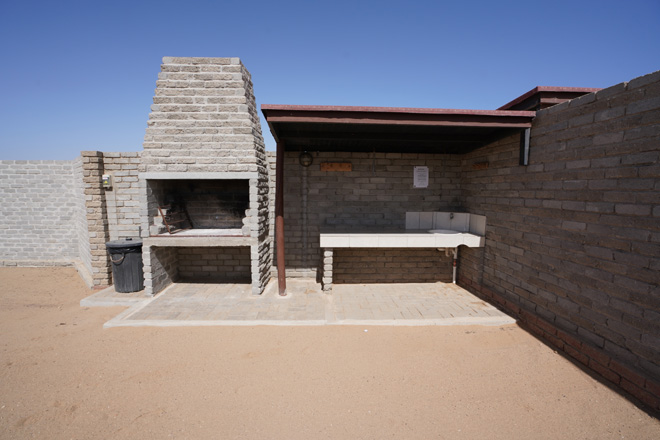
62, 376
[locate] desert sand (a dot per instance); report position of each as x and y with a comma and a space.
62, 376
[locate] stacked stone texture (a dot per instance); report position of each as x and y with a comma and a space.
40, 213
97, 216
204, 119
221, 264
199, 105
80, 223
573, 239
354, 266
123, 199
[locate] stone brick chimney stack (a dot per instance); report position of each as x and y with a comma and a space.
204, 119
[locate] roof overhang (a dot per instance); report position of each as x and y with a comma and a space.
543, 97
388, 129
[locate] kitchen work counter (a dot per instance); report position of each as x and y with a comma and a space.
437, 238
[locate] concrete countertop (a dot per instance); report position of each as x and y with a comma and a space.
398, 238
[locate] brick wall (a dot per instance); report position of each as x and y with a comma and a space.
223, 264
375, 194
204, 120
391, 266
122, 200
573, 239
164, 268
39, 218
80, 224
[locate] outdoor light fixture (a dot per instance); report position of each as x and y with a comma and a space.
305, 159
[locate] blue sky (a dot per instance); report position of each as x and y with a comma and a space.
80, 75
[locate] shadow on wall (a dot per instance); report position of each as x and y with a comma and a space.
423, 265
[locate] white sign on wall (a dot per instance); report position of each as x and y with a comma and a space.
421, 177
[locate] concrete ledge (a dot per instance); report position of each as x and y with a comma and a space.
198, 241
199, 175
409, 239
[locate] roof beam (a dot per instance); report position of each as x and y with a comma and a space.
442, 120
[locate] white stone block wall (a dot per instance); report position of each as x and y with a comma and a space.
39, 213
82, 231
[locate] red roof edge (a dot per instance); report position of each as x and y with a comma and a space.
539, 89
404, 110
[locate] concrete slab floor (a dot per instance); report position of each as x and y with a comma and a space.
190, 304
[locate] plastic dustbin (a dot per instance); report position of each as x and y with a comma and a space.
126, 258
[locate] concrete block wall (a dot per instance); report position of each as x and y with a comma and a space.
355, 265
122, 200
271, 161
40, 217
377, 193
111, 214
573, 239
223, 264
160, 267
85, 268
199, 105
97, 217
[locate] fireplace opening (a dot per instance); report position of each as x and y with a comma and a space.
198, 207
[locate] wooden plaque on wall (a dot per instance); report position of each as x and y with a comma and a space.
336, 166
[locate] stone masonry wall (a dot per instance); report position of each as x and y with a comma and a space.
573, 239
223, 264
407, 265
97, 217
122, 200
82, 233
203, 119
271, 161
39, 209
377, 193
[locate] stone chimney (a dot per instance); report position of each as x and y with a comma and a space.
203, 133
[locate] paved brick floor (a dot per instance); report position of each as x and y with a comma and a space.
363, 304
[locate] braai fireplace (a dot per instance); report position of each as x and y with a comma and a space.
213, 207
204, 178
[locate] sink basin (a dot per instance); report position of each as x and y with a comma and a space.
443, 231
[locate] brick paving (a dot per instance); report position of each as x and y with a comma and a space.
189, 304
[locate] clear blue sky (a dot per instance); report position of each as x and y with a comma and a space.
81, 75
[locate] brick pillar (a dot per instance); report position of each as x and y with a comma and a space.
97, 217
326, 279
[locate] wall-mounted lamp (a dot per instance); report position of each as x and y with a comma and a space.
305, 159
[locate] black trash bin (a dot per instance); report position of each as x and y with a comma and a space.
126, 257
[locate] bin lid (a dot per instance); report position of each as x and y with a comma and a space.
124, 243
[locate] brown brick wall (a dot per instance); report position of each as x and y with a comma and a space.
573, 239
217, 264
377, 193
383, 265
